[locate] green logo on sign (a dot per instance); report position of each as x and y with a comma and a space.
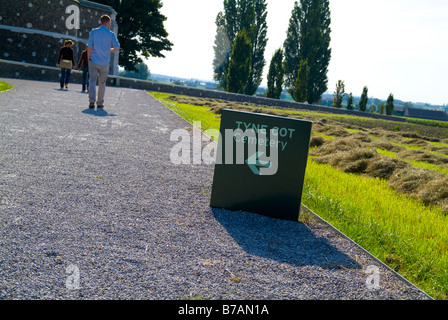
254, 163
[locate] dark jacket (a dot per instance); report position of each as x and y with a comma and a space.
83, 62
66, 53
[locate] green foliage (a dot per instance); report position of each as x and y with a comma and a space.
239, 65
350, 105
382, 106
301, 84
222, 48
308, 38
339, 94
141, 73
258, 38
275, 75
363, 100
390, 104
140, 30
236, 16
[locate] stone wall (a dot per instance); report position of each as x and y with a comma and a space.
33, 31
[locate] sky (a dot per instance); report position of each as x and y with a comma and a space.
390, 46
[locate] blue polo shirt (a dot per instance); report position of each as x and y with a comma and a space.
102, 40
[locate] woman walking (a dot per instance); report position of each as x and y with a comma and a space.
83, 65
66, 62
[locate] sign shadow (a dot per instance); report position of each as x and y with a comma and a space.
282, 240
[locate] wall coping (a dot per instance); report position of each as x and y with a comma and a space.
42, 32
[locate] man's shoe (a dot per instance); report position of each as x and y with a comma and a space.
66, 86
100, 107
91, 106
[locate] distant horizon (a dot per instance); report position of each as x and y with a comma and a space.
396, 46
326, 92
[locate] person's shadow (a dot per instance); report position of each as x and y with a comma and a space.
98, 113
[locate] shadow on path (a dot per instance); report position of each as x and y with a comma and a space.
98, 113
283, 241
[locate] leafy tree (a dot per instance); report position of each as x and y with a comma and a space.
381, 107
390, 104
258, 38
275, 75
140, 30
339, 94
141, 73
222, 49
363, 100
350, 105
239, 64
301, 85
308, 38
236, 16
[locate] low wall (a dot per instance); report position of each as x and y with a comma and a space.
19, 70
215, 94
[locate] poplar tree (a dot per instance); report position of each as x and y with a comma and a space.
236, 16
339, 94
258, 38
275, 76
381, 107
301, 85
350, 105
239, 64
222, 53
363, 100
308, 38
390, 104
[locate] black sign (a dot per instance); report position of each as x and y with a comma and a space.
260, 164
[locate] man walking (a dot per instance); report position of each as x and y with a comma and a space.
102, 42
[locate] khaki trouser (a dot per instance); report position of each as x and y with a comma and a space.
100, 73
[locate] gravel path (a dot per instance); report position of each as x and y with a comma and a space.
94, 194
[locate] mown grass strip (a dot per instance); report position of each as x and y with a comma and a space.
324, 136
439, 144
402, 232
415, 163
409, 147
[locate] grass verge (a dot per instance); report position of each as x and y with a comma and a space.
407, 235
5, 86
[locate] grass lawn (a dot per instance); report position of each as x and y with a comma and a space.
5, 86
404, 233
